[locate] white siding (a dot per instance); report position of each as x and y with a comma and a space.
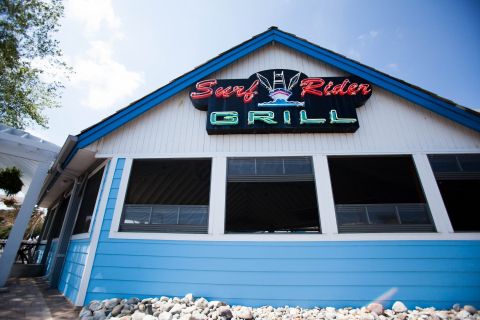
388, 124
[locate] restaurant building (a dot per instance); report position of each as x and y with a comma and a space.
277, 173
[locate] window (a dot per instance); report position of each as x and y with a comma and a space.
271, 195
168, 195
59, 217
458, 178
378, 194
89, 198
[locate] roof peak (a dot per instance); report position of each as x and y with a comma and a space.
428, 100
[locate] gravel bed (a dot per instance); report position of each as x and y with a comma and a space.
188, 308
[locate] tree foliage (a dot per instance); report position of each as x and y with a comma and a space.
27, 50
10, 181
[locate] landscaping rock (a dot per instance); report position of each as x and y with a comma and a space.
95, 305
137, 315
470, 309
165, 316
398, 306
187, 308
375, 307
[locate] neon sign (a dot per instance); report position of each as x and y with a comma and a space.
264, 103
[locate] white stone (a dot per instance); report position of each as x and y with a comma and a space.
189, 309
215, 304
470, 309
167, 306
137, 315
398, 306
224, 311
201, 303
198, 316
366, 316
177, 308
244, 313
186, 316
165, 316
463, 314
149, 317
375, 307
188, 297
164, 299
330, 309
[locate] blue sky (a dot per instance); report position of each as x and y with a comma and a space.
121, 49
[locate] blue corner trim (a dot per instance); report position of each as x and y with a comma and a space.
398, 87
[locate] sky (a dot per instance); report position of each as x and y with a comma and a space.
121, 50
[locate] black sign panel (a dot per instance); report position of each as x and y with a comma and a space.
281, 100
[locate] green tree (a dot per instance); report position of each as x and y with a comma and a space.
26, 43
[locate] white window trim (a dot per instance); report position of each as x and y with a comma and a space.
86, 235
97, 226
216, 221
122, 192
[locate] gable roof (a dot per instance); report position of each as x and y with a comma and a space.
424, 98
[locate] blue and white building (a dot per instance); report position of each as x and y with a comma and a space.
147, 203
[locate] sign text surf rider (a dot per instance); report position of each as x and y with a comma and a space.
281, 100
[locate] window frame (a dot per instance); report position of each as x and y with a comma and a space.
372, 228
457, 175
269, 178
118, 225
86, 235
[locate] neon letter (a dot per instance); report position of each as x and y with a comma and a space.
304, 119
335, 119
286, 117
265, 116
229, 118
205, 89
310, 86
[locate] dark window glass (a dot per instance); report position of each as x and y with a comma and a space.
445, 164
168, 195
89, 198
273, 195
241, 167
378, 194
470, 162
461, 201
59, 217
460, 187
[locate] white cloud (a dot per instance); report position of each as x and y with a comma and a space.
354, 54
107, 80
392, 66
372, 34
93, 14
103, 80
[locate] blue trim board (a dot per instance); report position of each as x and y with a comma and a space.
338, 274
443, 107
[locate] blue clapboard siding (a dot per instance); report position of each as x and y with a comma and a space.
73, 268
343, 273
